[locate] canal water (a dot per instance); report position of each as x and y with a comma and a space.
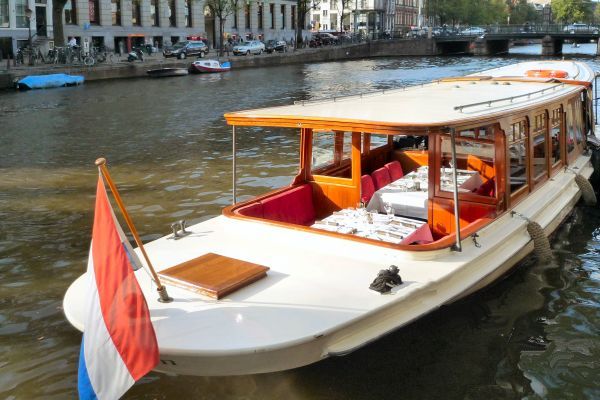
533, 335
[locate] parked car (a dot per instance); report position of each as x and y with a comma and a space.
473, 31
247, 48
185, 49
326, 38
581, 28
276, 45
416, 33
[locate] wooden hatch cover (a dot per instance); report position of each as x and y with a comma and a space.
214, 275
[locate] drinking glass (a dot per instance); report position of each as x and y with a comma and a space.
389, 210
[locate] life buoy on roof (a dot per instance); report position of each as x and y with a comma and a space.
546, 73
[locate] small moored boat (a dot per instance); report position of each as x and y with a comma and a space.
166, 72
455, 175
49, 81
202, 66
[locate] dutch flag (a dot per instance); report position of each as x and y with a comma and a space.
119, 345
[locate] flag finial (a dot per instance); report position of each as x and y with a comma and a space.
100, 161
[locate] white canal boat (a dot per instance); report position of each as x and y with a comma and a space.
283, 280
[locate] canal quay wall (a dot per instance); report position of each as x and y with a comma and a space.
123, 69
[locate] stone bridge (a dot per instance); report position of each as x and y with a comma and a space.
496, 39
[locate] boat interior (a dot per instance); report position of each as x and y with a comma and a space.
410, 174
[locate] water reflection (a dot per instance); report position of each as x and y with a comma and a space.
170, 152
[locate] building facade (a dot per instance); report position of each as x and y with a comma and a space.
328, 15
407, 15
15, 25
120, 24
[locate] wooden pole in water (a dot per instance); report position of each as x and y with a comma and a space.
162, 290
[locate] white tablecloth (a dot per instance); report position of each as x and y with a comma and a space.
409, 202
376, 226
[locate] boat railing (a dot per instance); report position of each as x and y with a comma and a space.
509, 99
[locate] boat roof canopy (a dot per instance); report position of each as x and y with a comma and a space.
447, 102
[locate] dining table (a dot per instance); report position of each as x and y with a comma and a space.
372, 225
409, 195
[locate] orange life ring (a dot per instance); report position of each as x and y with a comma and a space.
546, 73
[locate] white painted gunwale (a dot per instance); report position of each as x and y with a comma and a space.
315, 301
300, 300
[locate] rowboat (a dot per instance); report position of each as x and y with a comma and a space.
167, 72
49, 81
404, 201
202, 66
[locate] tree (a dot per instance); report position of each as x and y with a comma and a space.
567, 11
345, 5
221, 9
303, 8
57, 18
523, 12
466, 12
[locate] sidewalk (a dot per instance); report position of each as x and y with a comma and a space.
120, 68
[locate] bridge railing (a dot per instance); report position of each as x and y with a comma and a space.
536, 29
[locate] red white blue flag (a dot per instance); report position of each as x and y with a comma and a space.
119, 345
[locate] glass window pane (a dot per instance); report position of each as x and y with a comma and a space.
20, 7
4, 21
331, 153
476, 171
154, 12
136, 19
322, 150
570, 130
540, 158
378, 141
555, 143
115, 8
518, 165
578, 122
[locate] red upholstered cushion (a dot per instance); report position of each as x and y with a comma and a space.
294, 206
420, 236
488, 188
252, 210
395, 170
381, 177
367, 188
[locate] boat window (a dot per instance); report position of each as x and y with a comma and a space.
410, 142
578, 121
540, 148
555, 135
331, 153
570, 129
476, 169
517, 151
378, 141
484, 132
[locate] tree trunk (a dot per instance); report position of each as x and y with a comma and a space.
221, 34
298, 24
57, 18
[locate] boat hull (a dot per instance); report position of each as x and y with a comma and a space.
503, 243
49, 81
167, 72
204, 67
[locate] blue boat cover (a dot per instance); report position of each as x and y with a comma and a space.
49, 81
226, 64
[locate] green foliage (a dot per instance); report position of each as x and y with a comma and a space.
523, 12
467, 12
567, 11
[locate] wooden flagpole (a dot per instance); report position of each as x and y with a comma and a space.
162, 290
